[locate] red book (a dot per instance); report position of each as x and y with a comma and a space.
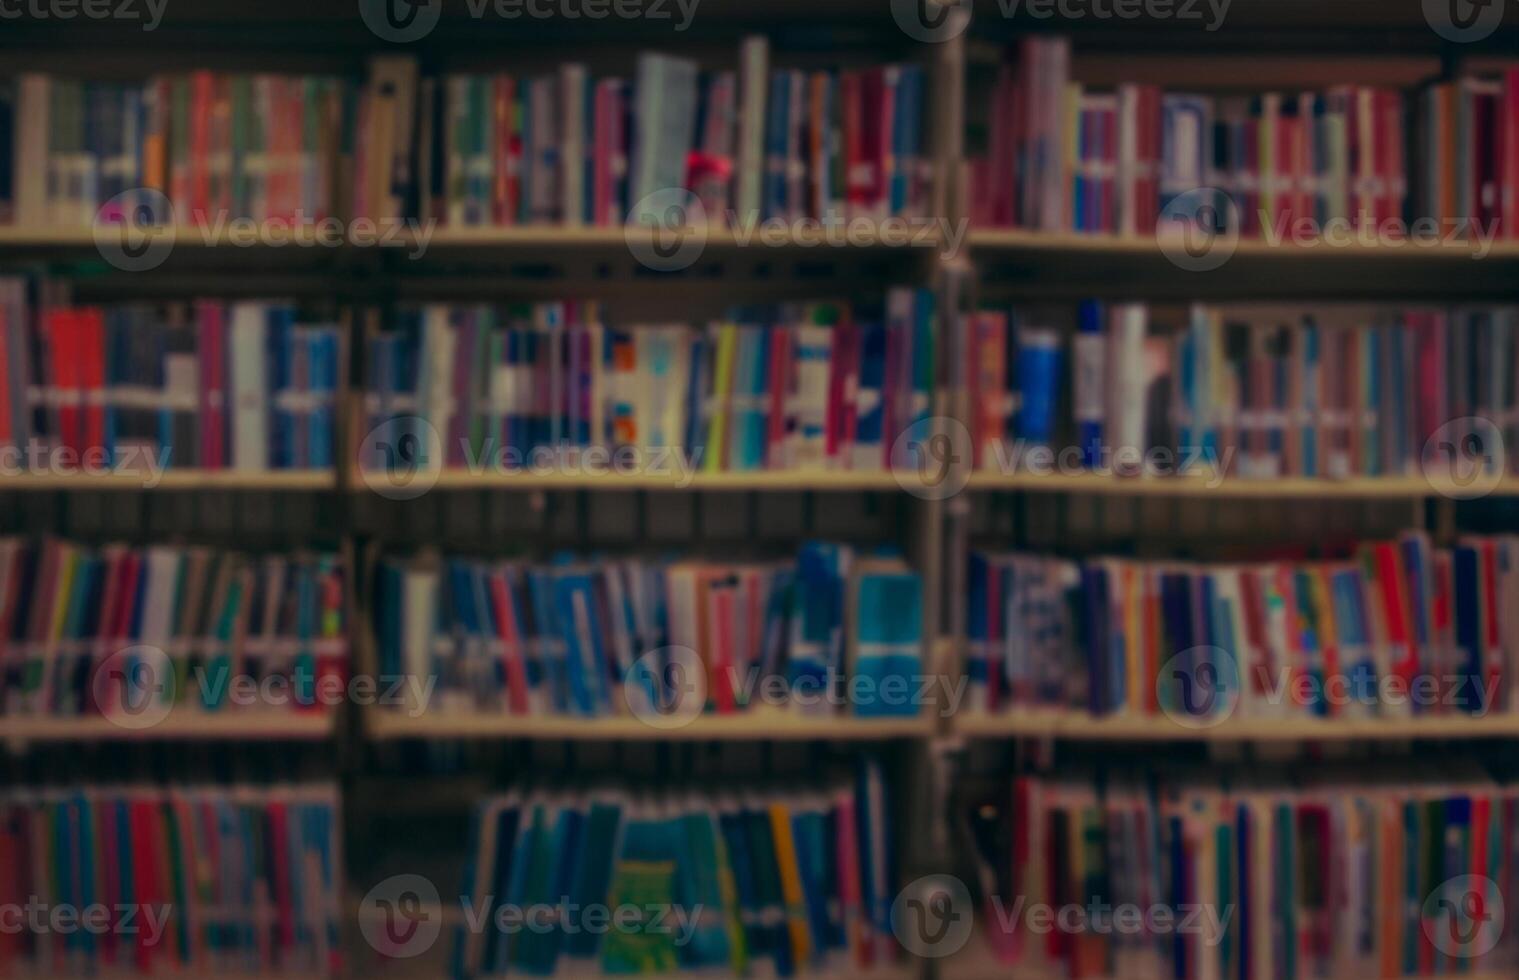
856, 177
507, 178
145, 881
601, 158
511, 644
279, 861
780, 388
1492, 655
1389, 572
63, 340
720, 635
1509, 164
91, 352
202, 96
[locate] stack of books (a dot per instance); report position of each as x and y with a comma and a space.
220, 145
508, 388
198, 880
1468, 150
832, 633
1399, 628
1061, 158
739, 883
133, 633
141, 387
1250, 391
1379, 872
750, 144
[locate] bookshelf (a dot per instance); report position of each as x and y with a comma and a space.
530, 261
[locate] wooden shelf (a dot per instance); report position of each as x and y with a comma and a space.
1029, 265
977, 962
288, 480
1018, 239
762, 725
760, 480
1080, 727
180, 726
1288, 488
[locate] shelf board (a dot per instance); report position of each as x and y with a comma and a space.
180, 726
772, 480
977, 962
177, 480
757, 726
1019, 239
1080, 727
1287, 488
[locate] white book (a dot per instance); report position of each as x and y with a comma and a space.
1127, 325
31, 152
808, 443
753, 84
436, 397
419, 610
250, 398
572, 84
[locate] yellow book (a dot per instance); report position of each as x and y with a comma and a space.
722, 386
791, 884
1071, 140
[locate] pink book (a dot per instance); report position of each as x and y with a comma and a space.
720, 599
856, 926
780, 388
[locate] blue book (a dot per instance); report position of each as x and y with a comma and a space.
322, 379
549, 637
907, 135
281, 351
1038, 383
777, 128
870, 398
888, 624
585, 657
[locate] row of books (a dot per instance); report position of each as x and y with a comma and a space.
194, 880
1060, 157
130, 633
1371, 873
656, 637
799, 386
144, 386
758, 883
1250, 391
1396, 628
219, 144
569, 148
